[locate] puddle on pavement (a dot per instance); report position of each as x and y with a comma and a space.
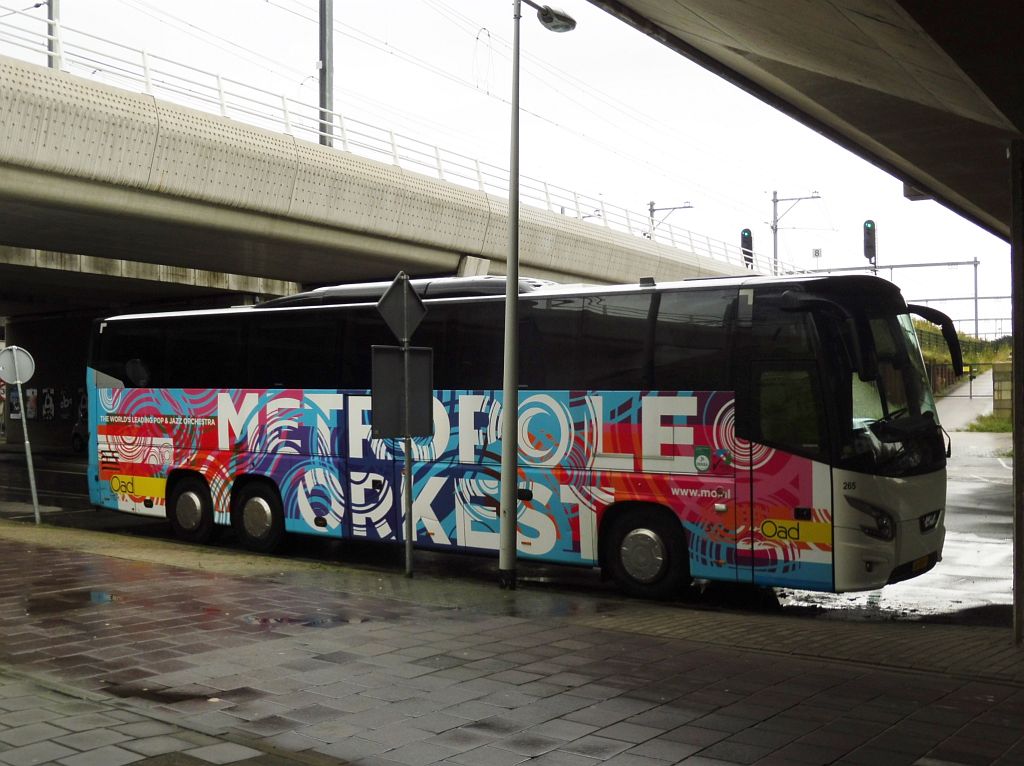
160, 694
64, 601
309, 621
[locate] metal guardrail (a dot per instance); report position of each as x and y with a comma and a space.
26, 37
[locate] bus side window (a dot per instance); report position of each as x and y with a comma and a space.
475, 345
790, 413
362, 328
549, 360
132, 353
691, 341
203, 352
294, 351
598, 342
614, 349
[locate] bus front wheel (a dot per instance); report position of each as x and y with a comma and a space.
647, 554
190, 510
258, 517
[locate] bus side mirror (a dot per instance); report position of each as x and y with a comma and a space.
936, 317
862, 350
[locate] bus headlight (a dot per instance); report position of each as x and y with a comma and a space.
882, 526
929, 520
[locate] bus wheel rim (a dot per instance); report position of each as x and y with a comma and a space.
189, 511
643, 555
257, 517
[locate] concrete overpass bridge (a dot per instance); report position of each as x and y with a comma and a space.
239, 187
167, 186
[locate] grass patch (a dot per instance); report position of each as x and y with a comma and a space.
992, 423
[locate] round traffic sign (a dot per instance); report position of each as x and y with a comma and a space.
16, 365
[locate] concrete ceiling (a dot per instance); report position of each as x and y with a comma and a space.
928, 90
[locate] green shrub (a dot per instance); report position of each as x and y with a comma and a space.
992, 423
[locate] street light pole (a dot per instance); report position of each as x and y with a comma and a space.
775, 222
556, 21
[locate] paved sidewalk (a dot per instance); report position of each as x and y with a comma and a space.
119, 658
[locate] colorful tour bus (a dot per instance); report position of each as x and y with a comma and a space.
774, 431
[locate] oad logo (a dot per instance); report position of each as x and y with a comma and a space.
702, 459
778, 531
122, 485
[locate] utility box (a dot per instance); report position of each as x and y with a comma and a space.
1002, 389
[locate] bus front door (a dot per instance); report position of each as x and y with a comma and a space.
786, 517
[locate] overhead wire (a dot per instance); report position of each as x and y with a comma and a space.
466, 25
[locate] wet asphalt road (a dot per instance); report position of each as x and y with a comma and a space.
971, 584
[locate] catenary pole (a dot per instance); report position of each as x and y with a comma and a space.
326, 72
53, 29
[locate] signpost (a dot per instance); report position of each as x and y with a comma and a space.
16, 367
402, 386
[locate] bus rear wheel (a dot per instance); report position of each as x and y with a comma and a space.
258, 517
190, 510
647, 554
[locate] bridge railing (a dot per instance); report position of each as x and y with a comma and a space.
25, 36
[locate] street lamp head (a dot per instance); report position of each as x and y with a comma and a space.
555, 20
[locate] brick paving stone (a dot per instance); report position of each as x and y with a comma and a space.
594, 746
461, 739
36, 753
158, 745
31, 733
630, 732
488, 755
736, 752
143, 728
563, 729
223, 752
562, 758
396, 736
23, 702
438, 722
420, 754
330, 731
112, 755
695, 735
497, 726
351, 748
85, 721
632, 759
529, 743
26, 716
91, 739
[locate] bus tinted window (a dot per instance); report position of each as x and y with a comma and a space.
691, 341
203, 352
596, 342
790, 410
361, 329
777, 333
614, 351
468, 343
294, 350
132, 352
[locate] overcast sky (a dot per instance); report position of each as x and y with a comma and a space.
607, 112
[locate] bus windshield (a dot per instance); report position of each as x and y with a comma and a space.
894, 427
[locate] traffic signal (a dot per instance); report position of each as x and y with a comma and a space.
747, 246
869, 241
